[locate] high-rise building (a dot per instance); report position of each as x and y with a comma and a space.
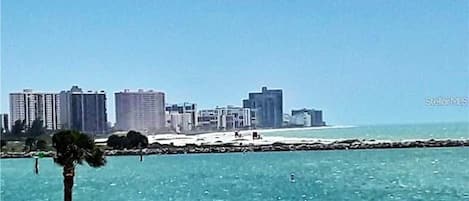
316, 118
225, 118
182, 117
141, 110
267, 107
4, 123
28, 106
84, 111
302, 119
307, 117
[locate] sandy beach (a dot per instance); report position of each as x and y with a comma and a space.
270, 141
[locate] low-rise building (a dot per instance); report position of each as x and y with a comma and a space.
307, 118
225, 118
4, 124
286, 120
178, 122
181, 117
302, 119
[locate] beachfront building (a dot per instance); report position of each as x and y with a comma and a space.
307, 118
83, 111
140, 110
178, 122
181, 117
208, 119
4, 128
225, 118
317, 119
28, 106
302, 119
267, 107
287, 118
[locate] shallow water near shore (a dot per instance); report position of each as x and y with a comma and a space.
459, 130
398, 174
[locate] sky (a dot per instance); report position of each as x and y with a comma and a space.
361, 62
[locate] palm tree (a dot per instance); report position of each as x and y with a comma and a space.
73, 148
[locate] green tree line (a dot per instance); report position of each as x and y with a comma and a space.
132, 140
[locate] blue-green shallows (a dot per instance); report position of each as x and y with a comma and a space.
385, 175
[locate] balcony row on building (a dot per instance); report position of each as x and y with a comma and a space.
147, 111
226, 118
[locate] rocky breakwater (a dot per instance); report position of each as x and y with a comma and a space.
279, 146
32, 154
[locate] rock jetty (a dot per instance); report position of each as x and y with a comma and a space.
278, 146
336, 145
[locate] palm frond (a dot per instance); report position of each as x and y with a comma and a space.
95, 158
73, 147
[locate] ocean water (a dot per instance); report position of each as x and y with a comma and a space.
386, 132
384, 175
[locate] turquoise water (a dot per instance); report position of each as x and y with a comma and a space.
386, 132
399, 174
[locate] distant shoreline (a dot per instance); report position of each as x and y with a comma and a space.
224, 137
264, 130
158, 149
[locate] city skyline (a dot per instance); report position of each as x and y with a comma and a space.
234, 100
378, 64
147, 111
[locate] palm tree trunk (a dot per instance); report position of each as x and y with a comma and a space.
141, 155
69, 173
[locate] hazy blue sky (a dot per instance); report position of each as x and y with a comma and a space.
362, 62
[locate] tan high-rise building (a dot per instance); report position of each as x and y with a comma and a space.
140, 110
28, 106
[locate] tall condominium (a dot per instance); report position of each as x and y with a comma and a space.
28, 106
4, 123
141, 110
84, 111
267, 107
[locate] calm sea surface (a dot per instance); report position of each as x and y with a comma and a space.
404, 174
399, 174
387, 132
